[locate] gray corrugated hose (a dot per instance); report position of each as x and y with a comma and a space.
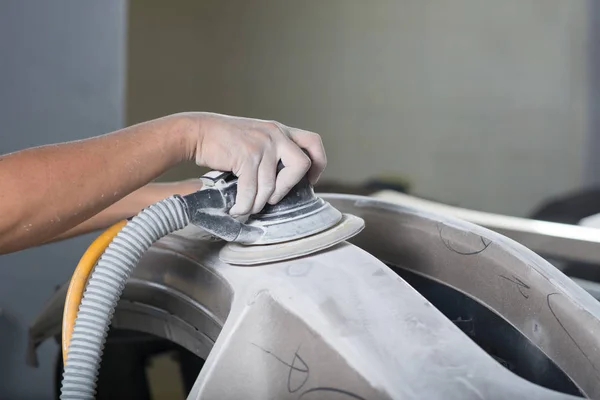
104, 289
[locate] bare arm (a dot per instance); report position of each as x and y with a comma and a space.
48, 190
130, 206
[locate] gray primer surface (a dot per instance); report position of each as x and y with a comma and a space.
340, 324
61, 78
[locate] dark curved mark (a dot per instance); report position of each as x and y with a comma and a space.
333, 390
567, 332
303, 369
486, 243
522, 286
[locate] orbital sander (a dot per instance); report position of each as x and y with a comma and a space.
298, 225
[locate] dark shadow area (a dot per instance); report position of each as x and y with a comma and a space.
493, 334
570, 208
123, 371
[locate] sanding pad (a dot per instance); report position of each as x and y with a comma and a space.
238, 254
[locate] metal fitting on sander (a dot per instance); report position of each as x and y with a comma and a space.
298, 225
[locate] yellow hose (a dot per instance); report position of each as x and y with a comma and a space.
79, 281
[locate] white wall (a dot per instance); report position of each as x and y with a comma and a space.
480, 102
61, 78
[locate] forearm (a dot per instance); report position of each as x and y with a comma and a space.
129, 206
48, 190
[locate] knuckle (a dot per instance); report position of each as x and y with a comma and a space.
274, 124
261, 140
314, 137
260, 135
253, 152
304, 162
277, 128
323, 158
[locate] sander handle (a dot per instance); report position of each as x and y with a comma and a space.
209, 207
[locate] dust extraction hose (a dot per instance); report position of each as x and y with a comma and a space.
104, 289
79, 280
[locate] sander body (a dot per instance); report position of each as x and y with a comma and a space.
300, 224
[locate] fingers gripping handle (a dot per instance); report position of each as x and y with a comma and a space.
209, 207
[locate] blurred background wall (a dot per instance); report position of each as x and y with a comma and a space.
62, 68
478, 103
592, 144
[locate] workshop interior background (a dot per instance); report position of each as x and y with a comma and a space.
486, 104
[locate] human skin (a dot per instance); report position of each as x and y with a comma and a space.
60, 190
131, 205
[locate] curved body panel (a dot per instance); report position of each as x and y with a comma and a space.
342, 324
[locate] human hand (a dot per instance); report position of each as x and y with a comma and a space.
251, 149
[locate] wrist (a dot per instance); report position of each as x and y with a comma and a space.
187, 127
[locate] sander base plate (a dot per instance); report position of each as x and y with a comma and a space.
239, 254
